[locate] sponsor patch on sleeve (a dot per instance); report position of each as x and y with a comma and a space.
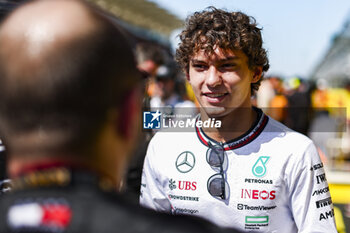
48, 216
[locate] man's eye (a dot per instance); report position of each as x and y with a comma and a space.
199, 66
228, 65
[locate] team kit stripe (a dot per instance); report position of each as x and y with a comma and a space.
251, 137
254, 133
201, 138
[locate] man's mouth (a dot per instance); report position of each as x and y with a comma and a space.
215, 95
215, 98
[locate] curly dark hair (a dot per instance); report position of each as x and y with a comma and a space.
228, 30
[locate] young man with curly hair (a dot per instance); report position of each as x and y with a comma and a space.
253, 172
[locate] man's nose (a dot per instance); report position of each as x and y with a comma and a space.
214, 77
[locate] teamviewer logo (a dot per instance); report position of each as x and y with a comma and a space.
151, 120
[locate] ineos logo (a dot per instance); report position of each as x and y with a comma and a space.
185, 162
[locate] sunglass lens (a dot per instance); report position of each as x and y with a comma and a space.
216, 157
216, 187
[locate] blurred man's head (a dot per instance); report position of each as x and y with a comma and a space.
149, 57
67, 78
166, 80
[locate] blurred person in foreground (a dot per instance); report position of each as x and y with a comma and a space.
70, 98
252, 172
5, 8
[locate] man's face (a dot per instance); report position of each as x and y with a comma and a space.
221, 81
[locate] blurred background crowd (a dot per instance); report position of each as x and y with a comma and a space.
317, 105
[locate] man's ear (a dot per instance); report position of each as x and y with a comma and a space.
257, 72
129, 114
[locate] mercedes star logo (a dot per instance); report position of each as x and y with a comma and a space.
185, 162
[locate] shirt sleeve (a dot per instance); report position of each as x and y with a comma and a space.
310, 199
152, 194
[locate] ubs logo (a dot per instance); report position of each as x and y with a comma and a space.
183, 185
172, 184
185, 162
